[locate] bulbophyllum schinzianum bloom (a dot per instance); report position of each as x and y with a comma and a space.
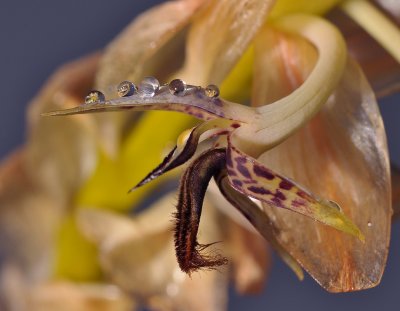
313, 142
320, 151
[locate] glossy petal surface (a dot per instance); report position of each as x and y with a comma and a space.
219, 36
342, 155
258, 219
253, 179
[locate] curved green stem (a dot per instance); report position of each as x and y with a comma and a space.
281, 118
376, 24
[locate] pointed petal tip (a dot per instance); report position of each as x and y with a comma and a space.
132, 189
300, 274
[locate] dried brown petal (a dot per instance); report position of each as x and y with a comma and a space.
252, 178
250, 258
62, 153
219, 36
137, 254
342, 155
28, 220
151, 40
261, 222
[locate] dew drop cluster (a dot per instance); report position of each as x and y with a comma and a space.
150, 87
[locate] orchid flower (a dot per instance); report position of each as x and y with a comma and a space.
312, 143
247, 134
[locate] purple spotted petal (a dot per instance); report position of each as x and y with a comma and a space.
261, 222
253, 179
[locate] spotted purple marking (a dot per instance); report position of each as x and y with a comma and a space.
258, 190
298, 203
197, 115
304, 195
277, 202
243, 170
240, 160
279, 195
229, 158
218, 102
231, 172
235, 125
286, 185
262, 172
237, 183
200, 94
250, 181
226, 132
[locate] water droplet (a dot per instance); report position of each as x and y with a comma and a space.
177, 87
94, 97
212, 91
331, 204
149, 86
334, 205
369, 224
126, 88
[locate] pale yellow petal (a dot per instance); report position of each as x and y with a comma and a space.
142, 259
109, 228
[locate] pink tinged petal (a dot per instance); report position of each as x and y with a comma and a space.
256, 216
278, 51
219, 36
341, 154
252, 178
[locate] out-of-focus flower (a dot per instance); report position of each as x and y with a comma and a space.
337, 152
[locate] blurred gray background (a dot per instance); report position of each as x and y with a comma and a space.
38, 36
